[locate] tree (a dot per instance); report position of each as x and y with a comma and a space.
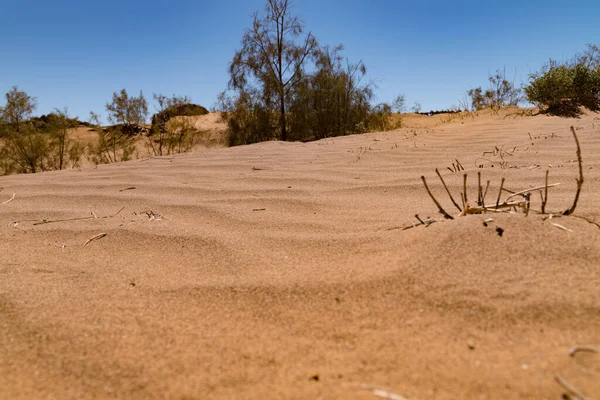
416, 108
113, 143
273, 57
399, 104
116, 143
503, 92
19, 107
25, 149
127, 110
59, 137
332, 101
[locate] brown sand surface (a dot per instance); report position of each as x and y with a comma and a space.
277, 270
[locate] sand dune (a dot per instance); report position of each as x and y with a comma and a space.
278, 270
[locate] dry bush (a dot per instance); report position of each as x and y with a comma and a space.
512, 202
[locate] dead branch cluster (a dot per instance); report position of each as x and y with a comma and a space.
456, 167
506, 200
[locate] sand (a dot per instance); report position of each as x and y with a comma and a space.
280, 270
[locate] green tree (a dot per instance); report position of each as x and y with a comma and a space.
113, 143
18, 109
127, 111
332, 101
273, 56
59, 137
117, 143
25, 149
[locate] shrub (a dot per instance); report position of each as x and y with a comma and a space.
170, 134
562, 88
501, 93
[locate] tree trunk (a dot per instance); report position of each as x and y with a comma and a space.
282, 122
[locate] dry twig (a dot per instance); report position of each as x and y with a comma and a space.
523, 192
9, 200
570, 389
588, 349
98, 236
93, 216
500, 193
447, 190
440, 208
545, 197
382, 393
580, 180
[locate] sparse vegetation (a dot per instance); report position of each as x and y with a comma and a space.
170, 134
562, 88
34, 144
116, 143
500, 93
282, 85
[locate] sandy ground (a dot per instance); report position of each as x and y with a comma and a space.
278, 270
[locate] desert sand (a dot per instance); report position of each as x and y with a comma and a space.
281, 270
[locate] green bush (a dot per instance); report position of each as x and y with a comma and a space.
563, 88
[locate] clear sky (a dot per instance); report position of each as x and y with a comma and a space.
76, 53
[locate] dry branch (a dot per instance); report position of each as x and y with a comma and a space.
98, 236
479, 189
382, 393
447, 191
465, 188
487, 186
500, 193
522, 192
440, 208
9, 200
570, 389
545, 197
93, 216
580, 180
588, 349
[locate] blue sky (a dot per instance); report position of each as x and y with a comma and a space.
75, 54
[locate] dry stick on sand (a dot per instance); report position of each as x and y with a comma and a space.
580, 180
9, 200
479, 189
442, 211
487, 186
382, 393
588, 349
447, 191
523, 192
465, 189
98, 236
545, 197
570, 389
500, 193
93, 216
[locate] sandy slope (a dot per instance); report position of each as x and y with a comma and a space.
276, 270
